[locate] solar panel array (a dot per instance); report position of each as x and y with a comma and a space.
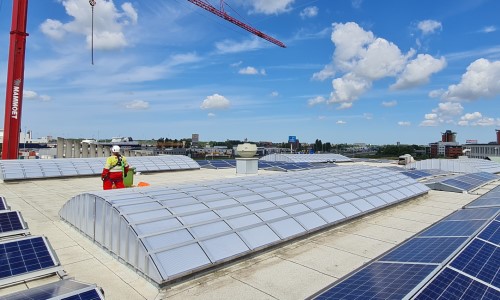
169, 232
326, 157
462, 183
418, 174
27, 257
457, 258
265, 165
63, 289
66, 167
467, 165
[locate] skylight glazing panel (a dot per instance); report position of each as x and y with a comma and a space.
179, 202
294, 209
212, 197
314, 204
347, 209
157, 226
179, 260
221, 203
231, 211
148, 215
284, 201
260, 205
272, 195
375, 201
189, 208
334, 200
272, 214
249, 198
259, 236
198, 218
134, 208
330, 214
349, 196
244, 221
362, 205
310, 220
224, 247
287, 228
210, 229
167, 239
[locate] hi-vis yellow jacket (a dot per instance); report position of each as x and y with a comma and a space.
113, 165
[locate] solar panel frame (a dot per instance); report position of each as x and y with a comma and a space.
67, 289
3, 204
19, 264
12, 223
379, 281
450, 284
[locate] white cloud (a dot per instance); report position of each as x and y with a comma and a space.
251, 71
274, 94
211, 115
340, 122
309, 12
429, 26
436, 93
445, 113
327, 72
215, 101
271, 7
137, 105
345, 105
321, 117
418, 71
368, 116
251, 44
356, 3
248, 71
109, 23
53, 29
390, 103
489, 29
364, 58
316, 100
481, 80
404, 123
477, 119
32, 95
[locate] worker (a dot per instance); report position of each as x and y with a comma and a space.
114, 170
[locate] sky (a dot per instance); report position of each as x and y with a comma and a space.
353, 71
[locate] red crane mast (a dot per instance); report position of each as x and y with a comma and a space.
15, 71
15, 80
227, 17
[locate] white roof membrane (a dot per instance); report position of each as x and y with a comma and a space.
166, 233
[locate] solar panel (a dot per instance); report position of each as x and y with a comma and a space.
473, 214
492, 232
379, 281
425, 250
450, 284
480, 260
25, 258
12, 223
3, 204
63, 289
454, 228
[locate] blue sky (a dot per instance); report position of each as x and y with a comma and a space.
354, 71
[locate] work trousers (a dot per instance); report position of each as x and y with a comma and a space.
114, 178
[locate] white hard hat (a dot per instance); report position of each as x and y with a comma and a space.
115, 149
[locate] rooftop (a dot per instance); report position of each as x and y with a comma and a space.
296, 269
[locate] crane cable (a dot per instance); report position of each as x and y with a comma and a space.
92, 3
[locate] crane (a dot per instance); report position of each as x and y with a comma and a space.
15, 70
221, 13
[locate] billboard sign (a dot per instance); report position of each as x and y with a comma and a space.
292, 139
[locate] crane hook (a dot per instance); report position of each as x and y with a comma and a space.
92, 3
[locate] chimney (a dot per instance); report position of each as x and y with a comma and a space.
498, 136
